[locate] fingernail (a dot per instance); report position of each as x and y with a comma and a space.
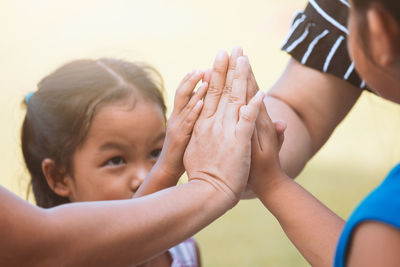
198, 105
236, 51
241, 61
260, 94
221, 54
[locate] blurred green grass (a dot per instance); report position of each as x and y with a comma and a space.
249, 235
176, 36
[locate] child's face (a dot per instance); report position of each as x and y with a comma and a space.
122, 145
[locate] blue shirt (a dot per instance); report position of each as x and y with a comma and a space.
382, 205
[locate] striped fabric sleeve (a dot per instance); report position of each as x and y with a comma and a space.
318, 36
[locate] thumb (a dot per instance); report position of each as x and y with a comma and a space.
280, 128
247, 116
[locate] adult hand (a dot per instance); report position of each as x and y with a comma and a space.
220, 147
261, 122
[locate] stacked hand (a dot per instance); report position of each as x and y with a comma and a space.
219, 150
223, 143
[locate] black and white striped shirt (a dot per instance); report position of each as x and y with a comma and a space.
317, 38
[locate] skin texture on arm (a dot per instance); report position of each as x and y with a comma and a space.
374, 244
113, 233
310, 225
312, 104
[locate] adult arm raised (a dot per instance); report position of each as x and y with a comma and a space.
312, 104
129, 232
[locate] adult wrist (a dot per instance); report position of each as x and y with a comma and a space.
219, 187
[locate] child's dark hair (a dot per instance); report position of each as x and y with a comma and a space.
60, 112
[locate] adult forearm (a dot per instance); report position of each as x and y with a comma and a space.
134, 231
112, 233
312, 103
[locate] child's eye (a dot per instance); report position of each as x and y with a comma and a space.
155, 153
115, 161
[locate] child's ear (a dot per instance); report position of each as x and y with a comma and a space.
57, 178
383, 36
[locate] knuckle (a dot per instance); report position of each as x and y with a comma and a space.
245, 115
213, 90
188, 123
220, 67
232, 65
227, 89
241, 73
189, 106
235, 100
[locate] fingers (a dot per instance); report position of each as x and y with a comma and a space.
265, 127
237, 97
255, 143
247, 117
252, 86
191, 118
263, 123
192, 110
216, 85
185, 90
236, 53
207, 76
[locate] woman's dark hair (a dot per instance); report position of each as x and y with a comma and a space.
60, 112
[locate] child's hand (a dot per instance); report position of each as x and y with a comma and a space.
187, 107
267, 140
266, 143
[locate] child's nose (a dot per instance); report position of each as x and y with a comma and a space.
138, 177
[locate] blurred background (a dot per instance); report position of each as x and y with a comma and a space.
176, 36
